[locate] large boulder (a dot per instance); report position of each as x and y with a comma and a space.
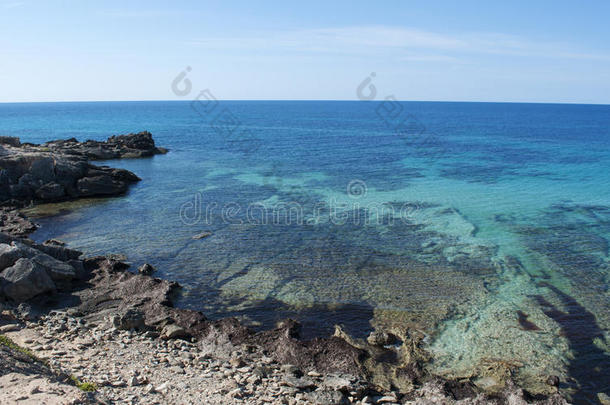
100, 185
8, 255
59, 272
24, 280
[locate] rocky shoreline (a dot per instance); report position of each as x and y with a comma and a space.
73, 324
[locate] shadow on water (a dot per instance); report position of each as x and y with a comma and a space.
591, 365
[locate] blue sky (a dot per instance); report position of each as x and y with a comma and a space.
532, 51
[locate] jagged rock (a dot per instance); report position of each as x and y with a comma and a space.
146, 269
24, 280
60, 170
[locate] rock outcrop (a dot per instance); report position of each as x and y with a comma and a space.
60, 170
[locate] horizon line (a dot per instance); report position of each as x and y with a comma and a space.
310, 100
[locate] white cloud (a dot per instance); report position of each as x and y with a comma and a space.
405, 43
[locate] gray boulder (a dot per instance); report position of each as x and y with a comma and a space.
8, 256
24, 280
59, 271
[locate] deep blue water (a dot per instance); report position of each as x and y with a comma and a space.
459, 219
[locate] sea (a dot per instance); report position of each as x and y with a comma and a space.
484, 227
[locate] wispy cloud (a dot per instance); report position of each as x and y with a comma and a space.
11, 4
406, 43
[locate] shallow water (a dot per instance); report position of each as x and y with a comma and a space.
485, 225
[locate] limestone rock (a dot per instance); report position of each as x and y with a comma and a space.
24, 280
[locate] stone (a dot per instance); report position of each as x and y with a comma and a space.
336, 382
380, 338
162, 388
9, 328
237, 362
325, 397
57, 270
291, 369
553, 380
300, 383
54, 242
173, 331
99, 186
8, 255
146, 269
132, 319
24, 280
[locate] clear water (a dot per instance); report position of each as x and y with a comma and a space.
485, 225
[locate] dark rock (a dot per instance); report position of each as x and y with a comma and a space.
553, 380
381, 338
50, 191
14, 223
10, 140
146, 269
59, 170
99, 186
53, 242
8, 256
24, 280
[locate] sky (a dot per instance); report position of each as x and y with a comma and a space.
517, 51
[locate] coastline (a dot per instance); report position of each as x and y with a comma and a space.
119, 306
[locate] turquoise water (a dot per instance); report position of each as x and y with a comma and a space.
483, 225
